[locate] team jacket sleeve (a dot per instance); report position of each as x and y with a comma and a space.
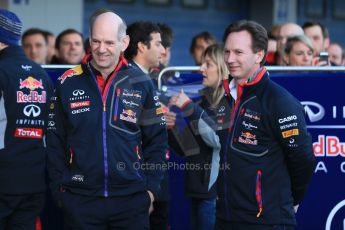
56, 144
196, 122
154, 140
202, 124
290, 128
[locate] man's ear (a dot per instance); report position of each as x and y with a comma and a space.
2, 45
286, 59
141, 46
125, 43
259, 56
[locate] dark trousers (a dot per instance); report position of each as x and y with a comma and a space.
159, 218
227, 225
203, 213
19, 212
122, 212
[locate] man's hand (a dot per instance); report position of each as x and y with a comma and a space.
152, 199
170, 117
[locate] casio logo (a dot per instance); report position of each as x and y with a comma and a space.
289, 118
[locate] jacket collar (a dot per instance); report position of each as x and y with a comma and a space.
257, 82
12, 50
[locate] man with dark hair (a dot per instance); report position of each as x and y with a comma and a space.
319, 35
336, 54
69, 46
51, 45
267, 157
145, 45
167, 39
144, 52
199, 44
35, 45
111, 183
24, 90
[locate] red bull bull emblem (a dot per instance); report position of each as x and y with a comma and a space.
70, 73
248, 135
248, 138
30, 83
128, 115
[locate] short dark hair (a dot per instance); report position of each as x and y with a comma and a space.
205, 35
324, 30
166, 35
34, 31
47, 33
64, 33
258, 34
139, 32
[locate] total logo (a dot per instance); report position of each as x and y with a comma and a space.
28, 133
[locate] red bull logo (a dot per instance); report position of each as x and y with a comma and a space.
128, 115
248, 135
30, 83
329, 146
248, 138
129, 112
70, 73
33, 96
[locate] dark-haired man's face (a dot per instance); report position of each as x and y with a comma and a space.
153, 53
316, 36
71, 49
200, 46
239, 57
36, 48
166, 57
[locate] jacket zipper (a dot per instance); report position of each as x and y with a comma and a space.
104, 116
70, 156
118, 92
232, 118
258, 192
137, 151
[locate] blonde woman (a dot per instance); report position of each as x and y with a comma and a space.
205, 119
298, 51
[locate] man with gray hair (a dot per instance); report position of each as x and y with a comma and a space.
108, 137
24, 89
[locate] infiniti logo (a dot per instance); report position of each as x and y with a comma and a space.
314, 111
78, 92
32, 111
221, 109
331, 215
